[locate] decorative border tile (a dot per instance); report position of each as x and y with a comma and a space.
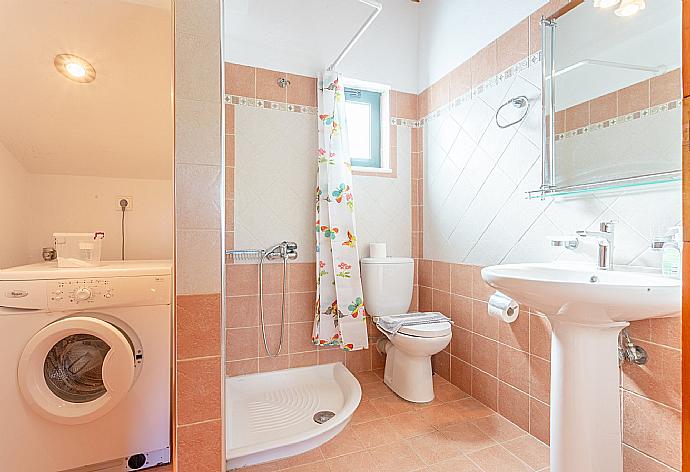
268, 104
636, 115
531, 61
289, 107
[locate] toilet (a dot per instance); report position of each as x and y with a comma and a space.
387, 284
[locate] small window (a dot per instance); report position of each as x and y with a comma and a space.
366, 107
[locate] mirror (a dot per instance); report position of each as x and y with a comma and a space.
81, 131
612, 97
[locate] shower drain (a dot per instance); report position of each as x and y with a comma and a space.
321, 417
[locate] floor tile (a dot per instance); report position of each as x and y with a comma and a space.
434, 447
498, 459
530, 450
498, 428
396, 457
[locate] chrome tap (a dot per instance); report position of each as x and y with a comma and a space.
605, 237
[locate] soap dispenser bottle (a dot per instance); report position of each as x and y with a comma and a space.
671, 259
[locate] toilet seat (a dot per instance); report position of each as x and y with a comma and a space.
430, 330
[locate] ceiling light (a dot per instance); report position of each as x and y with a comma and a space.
606, 3
75, 68
630, 7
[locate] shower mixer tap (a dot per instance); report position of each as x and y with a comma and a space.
284, 250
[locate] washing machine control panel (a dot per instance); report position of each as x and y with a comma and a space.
94, 292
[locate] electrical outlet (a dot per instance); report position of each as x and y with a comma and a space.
130, 203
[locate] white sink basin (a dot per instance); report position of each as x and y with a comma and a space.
587, 308
564, 289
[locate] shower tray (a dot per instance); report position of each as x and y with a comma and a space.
284, 413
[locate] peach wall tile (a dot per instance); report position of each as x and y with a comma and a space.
485, 354
198, 390
229, 182
242, 311
485, 388
461, 374
441, 276
539, 418
302, 306
513, 367
633, 98
241, 343
240, 80
664, 88
303, 359
461, 344
461, 279
247, 366
229, 119
440, 93
659, 379
666, 331
426, 273
513, 405
407, 106
577, 116
480, 289
461, 80
559, 122
540, 379
267, 85
393, 103
441, 364
652, 428
440, 301
539, 336
271, 364
461, 311
513, 46
424, 103
302, 277
515, 334
300, 337
534, 27
273, 340
529, 450
641, 329
331, 356
603, 108
302, 90
229, 216
229, 152
358, 361
425, 299
415, 219
199, 447
484, 64
635, 461
198, 324
273, 308
482, 323
242, 279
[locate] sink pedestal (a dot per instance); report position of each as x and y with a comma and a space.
585, 398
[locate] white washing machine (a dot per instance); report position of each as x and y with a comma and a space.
85, 367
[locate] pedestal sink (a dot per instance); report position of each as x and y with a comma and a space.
587, 309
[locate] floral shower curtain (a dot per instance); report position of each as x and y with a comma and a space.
340, 318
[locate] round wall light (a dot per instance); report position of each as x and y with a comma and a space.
75, 68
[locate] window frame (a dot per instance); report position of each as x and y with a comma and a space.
384, 122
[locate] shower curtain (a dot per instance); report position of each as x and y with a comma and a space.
340, 316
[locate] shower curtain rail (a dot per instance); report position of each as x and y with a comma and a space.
377, 9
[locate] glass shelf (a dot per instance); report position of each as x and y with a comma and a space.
612, 185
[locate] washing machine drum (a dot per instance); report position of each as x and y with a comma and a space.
77, 369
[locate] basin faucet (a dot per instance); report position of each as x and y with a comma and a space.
605, 237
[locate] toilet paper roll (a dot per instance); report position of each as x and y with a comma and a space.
504, 308
377, 250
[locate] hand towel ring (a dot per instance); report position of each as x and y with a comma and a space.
518, 102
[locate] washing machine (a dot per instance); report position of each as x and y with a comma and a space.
85, 367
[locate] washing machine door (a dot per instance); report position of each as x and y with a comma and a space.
76, 369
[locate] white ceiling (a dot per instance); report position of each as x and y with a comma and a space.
120, 125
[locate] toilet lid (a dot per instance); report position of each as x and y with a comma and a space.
430, 330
